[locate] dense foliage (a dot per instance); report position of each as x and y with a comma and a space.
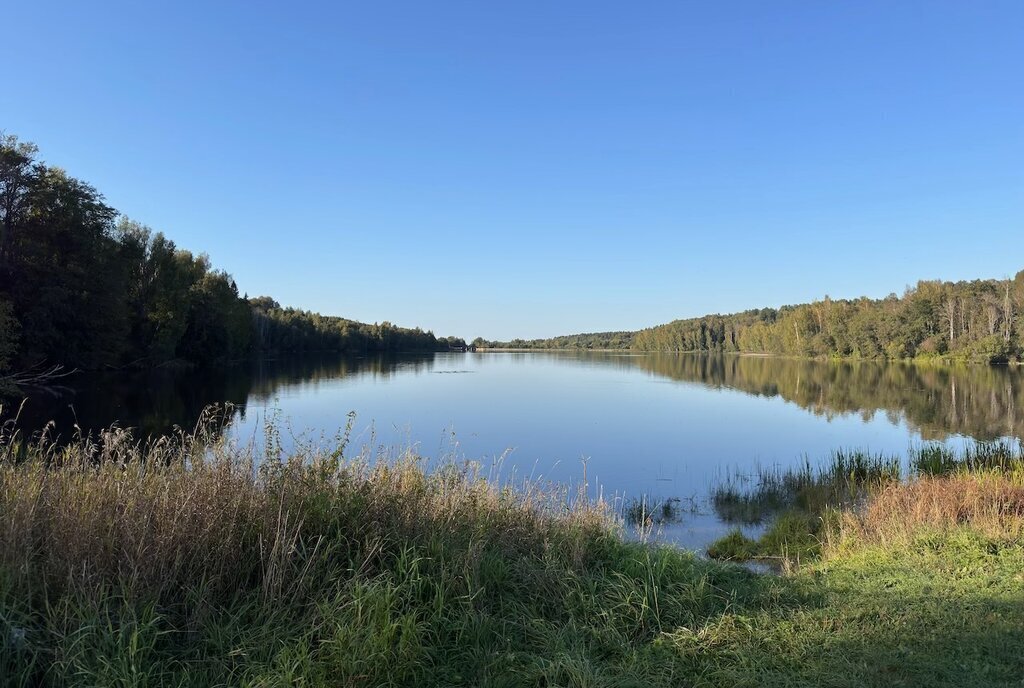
82, 286
290, 330
978, 320
589, 340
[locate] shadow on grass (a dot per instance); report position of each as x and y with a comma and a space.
873, 628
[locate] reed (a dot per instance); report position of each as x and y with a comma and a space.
933, 458
646, 512
843, 478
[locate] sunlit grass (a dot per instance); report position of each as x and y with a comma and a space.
853, 490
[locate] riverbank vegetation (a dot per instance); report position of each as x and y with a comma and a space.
192, 561
980, 483
976, 320
83, 287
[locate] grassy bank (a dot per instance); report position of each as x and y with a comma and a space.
189, 562
806, 506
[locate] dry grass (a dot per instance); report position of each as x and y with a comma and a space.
990, 502
156, 518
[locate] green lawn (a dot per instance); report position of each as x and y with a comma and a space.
945, 610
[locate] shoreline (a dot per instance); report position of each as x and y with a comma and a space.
929, 360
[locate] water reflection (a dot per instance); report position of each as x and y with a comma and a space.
271, 377
983, 402
935, 402
156, 402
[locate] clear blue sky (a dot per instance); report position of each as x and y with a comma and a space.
539, 168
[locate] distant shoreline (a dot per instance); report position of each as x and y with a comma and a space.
938, 360
572, 350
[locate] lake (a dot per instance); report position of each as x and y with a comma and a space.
655, 426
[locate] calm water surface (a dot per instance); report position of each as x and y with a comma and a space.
660, 425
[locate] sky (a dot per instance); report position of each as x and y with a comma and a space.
540, 168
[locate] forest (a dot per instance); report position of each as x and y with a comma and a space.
276, 329
969, 320
83, 287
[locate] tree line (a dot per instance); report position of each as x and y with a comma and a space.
84, 287
967, 320
278, 329
589, 340
981, 320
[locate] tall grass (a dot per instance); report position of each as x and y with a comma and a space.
194, 561
989, 502
1003, 456
855, 494
843, 477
